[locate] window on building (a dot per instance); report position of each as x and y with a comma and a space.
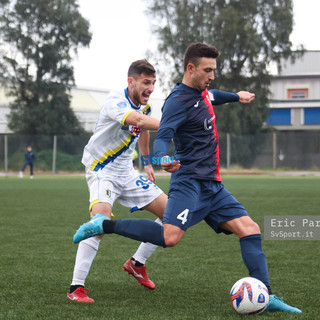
312, 116
279, 117
298, 94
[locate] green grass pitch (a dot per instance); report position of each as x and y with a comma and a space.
193, 279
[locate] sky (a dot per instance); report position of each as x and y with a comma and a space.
121, 33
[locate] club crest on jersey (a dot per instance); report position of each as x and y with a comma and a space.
207, 124
108, 193
122, 104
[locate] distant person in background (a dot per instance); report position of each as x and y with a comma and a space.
29, 159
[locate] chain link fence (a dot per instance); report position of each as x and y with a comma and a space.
273, 150
52, 153
270, 150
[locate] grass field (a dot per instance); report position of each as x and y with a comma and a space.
193, 279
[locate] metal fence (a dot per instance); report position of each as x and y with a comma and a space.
52, 153
273, 150
270, 150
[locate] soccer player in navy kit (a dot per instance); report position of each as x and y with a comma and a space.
29, 159
196, 192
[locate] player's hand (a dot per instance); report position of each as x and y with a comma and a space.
150, 173
245, 96
169, 164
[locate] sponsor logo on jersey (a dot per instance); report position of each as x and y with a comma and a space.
122, 104
108, 193
135, 130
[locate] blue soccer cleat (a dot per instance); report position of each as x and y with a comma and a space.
91, 228
277, 304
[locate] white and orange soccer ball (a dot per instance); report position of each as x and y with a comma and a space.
249, 296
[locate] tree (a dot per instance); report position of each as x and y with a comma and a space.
250, 35
38, 39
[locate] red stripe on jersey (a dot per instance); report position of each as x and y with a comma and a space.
206, 98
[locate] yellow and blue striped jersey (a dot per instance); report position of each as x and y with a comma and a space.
112, 143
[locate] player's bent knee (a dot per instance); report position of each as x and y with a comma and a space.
255, 228
171, 240
242, 227
251, 228
172, 234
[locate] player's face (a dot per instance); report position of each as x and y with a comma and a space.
203, 73
140, 88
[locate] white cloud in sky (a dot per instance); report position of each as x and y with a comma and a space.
122, 33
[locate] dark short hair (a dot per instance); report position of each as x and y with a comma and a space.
141, 66
197, 50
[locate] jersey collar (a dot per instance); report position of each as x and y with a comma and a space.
133, 106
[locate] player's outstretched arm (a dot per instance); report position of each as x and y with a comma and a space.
246, 96
220, 97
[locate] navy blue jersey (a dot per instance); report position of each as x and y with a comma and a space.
29, 157
188, 118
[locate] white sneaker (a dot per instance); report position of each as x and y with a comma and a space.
20, 174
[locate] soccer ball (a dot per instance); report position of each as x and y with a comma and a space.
249, 296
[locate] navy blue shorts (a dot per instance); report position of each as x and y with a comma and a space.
191, 201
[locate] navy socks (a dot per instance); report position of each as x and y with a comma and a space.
137, 229
254, 258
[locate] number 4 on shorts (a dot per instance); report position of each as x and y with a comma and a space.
183, 216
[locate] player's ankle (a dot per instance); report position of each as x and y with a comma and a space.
75, 287
137, 263
108, 226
